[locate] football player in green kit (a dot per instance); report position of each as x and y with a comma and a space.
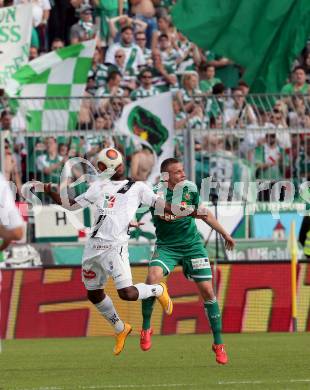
179, 243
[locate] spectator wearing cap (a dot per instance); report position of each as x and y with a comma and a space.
84, 29
134, 55
164, 77
144, 10
298, 83
140, 39
146, 89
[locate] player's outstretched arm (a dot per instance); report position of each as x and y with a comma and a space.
47, 188
209, 218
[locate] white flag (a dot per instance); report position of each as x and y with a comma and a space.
49, 85
15, 35
148, 124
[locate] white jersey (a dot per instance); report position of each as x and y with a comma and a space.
116, 204
10, 217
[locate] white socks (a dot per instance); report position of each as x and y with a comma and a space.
148, 290
107, 309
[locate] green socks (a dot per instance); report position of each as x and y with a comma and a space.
213, 314
147, 310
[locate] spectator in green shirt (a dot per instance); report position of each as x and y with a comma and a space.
210, 80
298, 84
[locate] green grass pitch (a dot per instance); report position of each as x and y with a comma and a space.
257, 361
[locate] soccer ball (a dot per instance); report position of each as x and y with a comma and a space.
110, 157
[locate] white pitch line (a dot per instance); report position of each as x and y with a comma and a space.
107, 387
257, 382
253, 382
134, 386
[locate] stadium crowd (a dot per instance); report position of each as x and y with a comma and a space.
139, 54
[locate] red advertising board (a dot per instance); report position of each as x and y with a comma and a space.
52, 302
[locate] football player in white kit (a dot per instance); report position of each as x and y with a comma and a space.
11, 222
106, 251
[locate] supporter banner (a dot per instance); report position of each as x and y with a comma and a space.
54, 223
52, 302
148, 125
15, 34
54, 80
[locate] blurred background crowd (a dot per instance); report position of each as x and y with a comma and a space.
139, 54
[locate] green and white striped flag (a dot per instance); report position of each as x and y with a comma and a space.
47, 85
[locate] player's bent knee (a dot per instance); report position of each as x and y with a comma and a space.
95, 296
155, 275
128, 293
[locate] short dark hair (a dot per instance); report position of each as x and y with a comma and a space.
113, 74
163, 36
57, 39
143, 71
126, 28
166, 163
5, 113
218, 89
299, 67
205, 66
242, 83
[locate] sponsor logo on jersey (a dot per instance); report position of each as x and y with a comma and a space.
111, 201
89, 274
187, 196
108, 203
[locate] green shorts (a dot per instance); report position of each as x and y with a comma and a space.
194, 261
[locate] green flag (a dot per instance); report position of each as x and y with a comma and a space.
48, 85
263, 36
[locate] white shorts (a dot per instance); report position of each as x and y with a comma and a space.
101, 260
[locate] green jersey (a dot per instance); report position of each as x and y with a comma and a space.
290, 89
177, 231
